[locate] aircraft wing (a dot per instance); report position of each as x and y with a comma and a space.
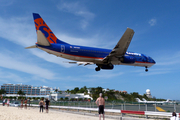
122, 46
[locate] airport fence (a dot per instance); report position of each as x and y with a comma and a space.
133, 106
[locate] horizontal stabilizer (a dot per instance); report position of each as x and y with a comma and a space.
33, 46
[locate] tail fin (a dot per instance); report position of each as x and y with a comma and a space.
144, 100
44, 33
138, 100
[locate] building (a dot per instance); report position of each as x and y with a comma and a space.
148, 93
57, 96
43, 91
14, 88
27, 89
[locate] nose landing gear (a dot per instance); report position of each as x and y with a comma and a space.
146, 69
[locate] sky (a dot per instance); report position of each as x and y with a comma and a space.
97, 24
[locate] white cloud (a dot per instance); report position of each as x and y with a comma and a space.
17, 31
13, 62
6, 77
78, 41
169, 58
20, 32
152, 22
51, 58
77, 9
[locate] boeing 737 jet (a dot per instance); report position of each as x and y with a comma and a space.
103, 58
151, 102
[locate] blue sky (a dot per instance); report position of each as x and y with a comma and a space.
98, 24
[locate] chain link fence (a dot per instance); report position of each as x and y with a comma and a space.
133, 106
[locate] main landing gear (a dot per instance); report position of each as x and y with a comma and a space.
98, 68
146, 69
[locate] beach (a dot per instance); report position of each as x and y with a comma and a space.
15, 113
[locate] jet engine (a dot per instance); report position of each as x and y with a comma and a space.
108, 66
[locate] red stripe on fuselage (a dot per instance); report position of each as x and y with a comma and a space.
74, 55
82, 56
144, 62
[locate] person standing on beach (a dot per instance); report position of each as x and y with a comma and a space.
29, 102
41, 104
25, 102
47, 105
100, 102
8, 103
4, 102
21, 104
174, 117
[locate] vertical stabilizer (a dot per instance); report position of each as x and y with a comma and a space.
43, 30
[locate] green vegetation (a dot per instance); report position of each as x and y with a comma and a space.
2, 91
112, 95
77, 90
20, 92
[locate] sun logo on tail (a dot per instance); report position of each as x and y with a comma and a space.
42, 26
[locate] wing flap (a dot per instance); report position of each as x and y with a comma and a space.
82, 63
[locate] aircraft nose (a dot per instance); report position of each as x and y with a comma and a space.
153, 61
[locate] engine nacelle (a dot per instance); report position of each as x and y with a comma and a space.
109, 66
127, 59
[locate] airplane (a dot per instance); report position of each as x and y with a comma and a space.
151, 102
83, 55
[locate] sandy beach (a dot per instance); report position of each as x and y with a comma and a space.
14, 113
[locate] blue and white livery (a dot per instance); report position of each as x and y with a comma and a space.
103, 58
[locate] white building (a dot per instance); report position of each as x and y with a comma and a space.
148, 93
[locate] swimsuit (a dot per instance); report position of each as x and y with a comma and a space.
101, 109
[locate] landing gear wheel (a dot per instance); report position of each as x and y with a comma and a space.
146, 69
97, 68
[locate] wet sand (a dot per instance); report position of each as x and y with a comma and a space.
15, 113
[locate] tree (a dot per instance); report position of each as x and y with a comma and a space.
56, 90
20, 92
95, 92
61, 99
66, 98
37, 98
80, 99
83, 90
2, 91
67, 91
10, 97
76, 89
110, 94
